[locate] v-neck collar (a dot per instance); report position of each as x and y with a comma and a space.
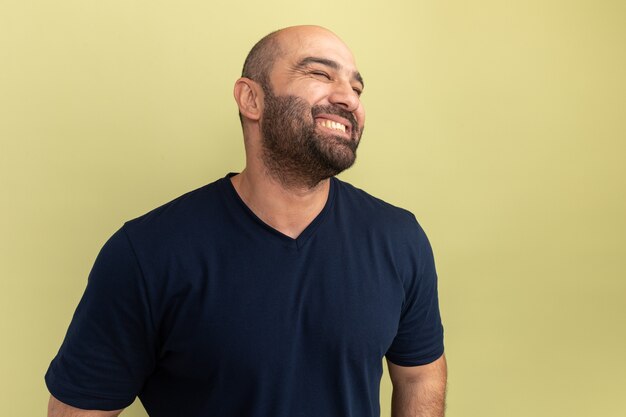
235, 200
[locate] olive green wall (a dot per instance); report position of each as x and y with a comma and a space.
500, 124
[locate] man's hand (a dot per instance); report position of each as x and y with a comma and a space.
419, 391
58, 409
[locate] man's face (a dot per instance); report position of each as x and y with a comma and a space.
312, 118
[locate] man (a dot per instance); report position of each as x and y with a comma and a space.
273, 292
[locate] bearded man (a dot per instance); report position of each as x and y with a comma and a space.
275, 292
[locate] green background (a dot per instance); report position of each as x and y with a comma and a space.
500, 124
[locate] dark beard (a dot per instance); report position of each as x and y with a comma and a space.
294, 152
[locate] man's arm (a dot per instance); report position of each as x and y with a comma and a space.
418, 391
58, 409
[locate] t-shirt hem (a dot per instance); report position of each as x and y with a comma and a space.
412, 361
78, 398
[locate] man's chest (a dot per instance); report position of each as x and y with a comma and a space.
254, 312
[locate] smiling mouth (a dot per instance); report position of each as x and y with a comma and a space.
332, 125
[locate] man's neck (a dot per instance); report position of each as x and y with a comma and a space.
288, 209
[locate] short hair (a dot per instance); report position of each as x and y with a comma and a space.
260, 60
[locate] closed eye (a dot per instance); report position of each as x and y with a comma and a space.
321, 74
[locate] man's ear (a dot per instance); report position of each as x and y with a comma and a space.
249, 97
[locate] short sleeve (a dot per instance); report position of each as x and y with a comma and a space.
419, 339
109, 348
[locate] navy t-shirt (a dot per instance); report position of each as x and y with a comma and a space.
201, 309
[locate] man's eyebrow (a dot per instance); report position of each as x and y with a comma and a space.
357, 76
329, 63
315, 60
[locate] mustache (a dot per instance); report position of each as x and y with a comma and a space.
337, 111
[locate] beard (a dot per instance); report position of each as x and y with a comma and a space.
294, 150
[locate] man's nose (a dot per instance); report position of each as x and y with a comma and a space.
344, 95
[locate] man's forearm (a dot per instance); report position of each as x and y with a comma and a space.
419, 391
57, 408
419, 399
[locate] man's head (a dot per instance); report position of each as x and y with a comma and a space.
261, 58
299, 99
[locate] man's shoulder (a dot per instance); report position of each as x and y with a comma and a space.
177, 216
373, 211
368, 204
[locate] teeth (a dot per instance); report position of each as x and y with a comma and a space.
332, 125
